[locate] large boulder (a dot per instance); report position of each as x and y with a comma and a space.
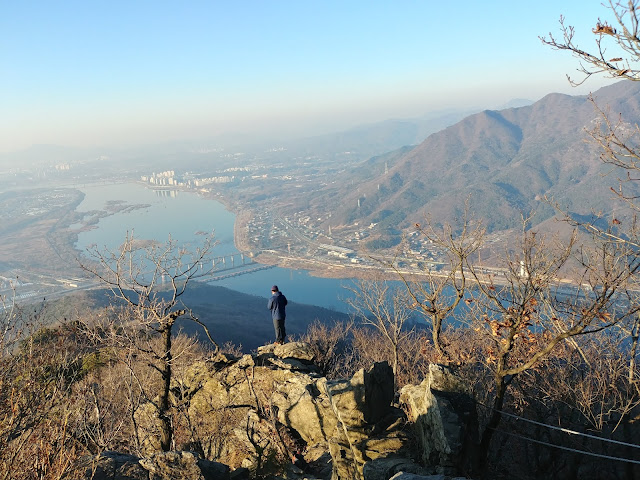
113, 466
158, 466
279, 383
369, 427
444, 420
302, 405
365, 398
353, 419
297, 350
183, 466
385, 468
275, 403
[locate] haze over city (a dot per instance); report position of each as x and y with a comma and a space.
122, 73
450, 224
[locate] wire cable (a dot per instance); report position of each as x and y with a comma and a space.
570, 432
569, 449
561, 429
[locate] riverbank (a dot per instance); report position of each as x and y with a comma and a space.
324, 267
240, 229
316, 267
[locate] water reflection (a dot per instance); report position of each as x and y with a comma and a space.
185, 216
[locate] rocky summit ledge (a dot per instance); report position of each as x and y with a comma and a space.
158, 466
299, 350
329, 429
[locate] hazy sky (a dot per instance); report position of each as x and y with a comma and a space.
124, 72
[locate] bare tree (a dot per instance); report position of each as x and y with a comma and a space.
39, 364
386, 308
329, 346
149, 279
615, 55
624, 41
530, 311
369, 346
438, 293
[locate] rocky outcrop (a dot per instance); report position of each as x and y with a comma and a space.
249, 410
159, 466
412, 476
388, 467
368, 426
443, 418
352, 419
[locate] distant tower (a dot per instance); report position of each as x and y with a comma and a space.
386, 167
358, 203
523, 271
329, 230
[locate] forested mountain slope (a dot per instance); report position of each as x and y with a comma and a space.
507, 161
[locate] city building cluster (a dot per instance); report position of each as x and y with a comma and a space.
169, 179
299, 234
163, 178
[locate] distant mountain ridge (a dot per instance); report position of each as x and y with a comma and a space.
360, 142
516, 103
366, 140
507, 161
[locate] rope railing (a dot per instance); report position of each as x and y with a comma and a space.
569, 449
567, 431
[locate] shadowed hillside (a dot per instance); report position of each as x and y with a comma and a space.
244, 319
231, 316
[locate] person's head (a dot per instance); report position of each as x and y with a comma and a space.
274, 289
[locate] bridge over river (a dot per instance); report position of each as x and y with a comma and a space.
234, 265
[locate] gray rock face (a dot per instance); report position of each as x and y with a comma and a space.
298, 350
183, 466
412, 476
114, 466
283, 389
368, 426
351, 418
385, 468
443, 418
242, 407
366, 397
159, 466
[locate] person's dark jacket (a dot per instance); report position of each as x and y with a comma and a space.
276, 304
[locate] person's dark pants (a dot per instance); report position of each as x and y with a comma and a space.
278, 325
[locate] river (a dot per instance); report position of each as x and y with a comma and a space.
181, 215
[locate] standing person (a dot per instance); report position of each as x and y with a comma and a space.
276, 304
